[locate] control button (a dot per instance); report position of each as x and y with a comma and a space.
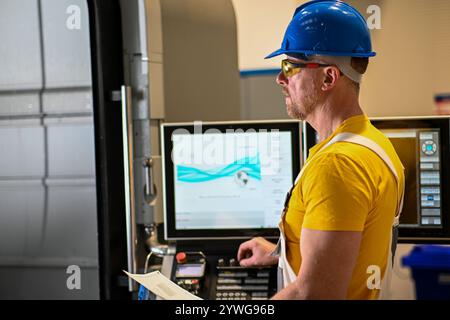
259, 294
429, 147
262, 274
220, 262
181, 257
228, 281
233, 262
257, 281
234, 274
242, 287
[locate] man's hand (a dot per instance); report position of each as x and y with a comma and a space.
256, 252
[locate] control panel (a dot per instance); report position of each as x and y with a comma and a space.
430, 193
234, 282
190, 271
220, 277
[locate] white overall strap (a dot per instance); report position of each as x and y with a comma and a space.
386, 280
288, 275
366, 142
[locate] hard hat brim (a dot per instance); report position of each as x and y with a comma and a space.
325, 53
275, 53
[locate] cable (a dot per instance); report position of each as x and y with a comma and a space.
146, 262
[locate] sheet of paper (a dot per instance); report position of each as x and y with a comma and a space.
162, 287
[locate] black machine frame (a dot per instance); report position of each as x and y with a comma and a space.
108, 76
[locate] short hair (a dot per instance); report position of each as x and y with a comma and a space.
360, 65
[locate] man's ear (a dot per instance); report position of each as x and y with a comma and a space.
332, 75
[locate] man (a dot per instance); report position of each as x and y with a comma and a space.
337, 227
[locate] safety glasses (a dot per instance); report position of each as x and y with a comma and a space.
290, 68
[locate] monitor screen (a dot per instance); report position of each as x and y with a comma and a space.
419, 152
423, 147
228, 180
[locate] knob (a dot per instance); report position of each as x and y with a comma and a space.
233, 262
181, 257
220, 262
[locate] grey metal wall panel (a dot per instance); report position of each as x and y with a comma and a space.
22, 213
47, 283
19, 103
47, 167
71, 150
67, 48
262, 98
20, 52
31, 121
71, 227
67, 101
22, 150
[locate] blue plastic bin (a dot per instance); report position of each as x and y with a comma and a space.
430, 266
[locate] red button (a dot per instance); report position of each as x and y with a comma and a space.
181, 257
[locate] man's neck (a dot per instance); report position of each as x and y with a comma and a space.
325, 119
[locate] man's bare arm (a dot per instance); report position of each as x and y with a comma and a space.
328, 260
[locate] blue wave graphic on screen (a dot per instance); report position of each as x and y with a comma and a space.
250, 165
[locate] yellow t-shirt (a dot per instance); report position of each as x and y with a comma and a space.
348, 187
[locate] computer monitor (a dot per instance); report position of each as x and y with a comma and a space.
423, 144
227, 180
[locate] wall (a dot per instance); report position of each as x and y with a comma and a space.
201, 75
261, 97
260, 25
411, 66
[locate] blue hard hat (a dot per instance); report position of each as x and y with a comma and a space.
326, 27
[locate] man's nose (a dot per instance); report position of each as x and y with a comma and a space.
281, 79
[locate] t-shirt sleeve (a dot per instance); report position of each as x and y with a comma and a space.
336, 193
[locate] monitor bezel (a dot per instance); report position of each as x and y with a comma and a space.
170, 232
426, 234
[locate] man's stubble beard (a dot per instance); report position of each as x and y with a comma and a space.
296, 112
